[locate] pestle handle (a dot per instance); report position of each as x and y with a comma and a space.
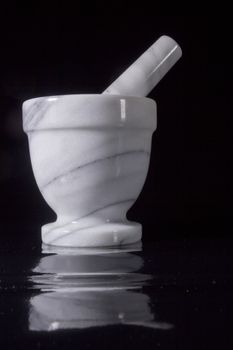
145, 73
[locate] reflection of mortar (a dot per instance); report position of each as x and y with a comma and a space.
90, 290
100, 270
82, 309
90, 156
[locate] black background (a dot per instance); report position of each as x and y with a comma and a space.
188, 191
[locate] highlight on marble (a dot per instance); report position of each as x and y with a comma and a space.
90, 154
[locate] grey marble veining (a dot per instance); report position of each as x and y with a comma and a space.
90, 155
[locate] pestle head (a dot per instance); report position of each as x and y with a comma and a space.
145, 73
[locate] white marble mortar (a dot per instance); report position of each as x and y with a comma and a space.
90, 156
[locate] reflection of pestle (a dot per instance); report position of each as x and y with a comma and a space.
145, 73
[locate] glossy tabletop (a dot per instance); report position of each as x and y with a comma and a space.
166, 294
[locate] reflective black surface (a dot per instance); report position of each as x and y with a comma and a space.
170, 294
175, 293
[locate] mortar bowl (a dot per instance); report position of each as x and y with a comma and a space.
90, 156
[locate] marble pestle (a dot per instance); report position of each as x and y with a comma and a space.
145, 73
